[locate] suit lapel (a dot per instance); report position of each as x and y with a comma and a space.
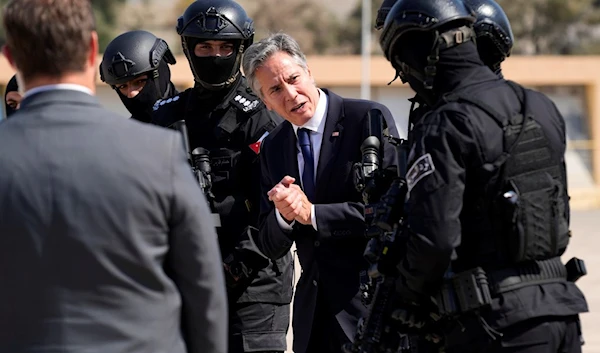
289, 154
330, 145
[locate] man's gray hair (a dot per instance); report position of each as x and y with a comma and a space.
259, 52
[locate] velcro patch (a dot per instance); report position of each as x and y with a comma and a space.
422, 167
246, 104
159, 103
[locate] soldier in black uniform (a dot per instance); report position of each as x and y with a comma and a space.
494, 40
136, 65
487, 192
224, 116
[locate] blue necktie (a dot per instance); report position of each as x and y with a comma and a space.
308, 174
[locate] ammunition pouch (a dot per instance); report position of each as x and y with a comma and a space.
464, 292
473, 290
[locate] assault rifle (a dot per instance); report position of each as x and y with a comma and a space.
200, 163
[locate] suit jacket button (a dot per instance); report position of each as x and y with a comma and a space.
317, 243
315, 282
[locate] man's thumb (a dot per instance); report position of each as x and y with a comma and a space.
287, 180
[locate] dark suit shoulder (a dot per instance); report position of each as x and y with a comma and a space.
278, 134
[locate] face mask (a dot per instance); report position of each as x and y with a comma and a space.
418, 86
216, 70
140, 106
12, 86
9, 110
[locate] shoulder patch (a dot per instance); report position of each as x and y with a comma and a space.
159, 103
421, 168
246, 103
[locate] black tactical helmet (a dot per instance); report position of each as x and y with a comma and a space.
132, 54
494, 34
449, 21
382, 13
215, 20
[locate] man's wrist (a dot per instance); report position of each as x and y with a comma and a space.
313, 217
283, 223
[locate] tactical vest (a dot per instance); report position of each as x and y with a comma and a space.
526, 204
222, 131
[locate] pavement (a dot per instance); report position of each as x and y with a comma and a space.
584, 244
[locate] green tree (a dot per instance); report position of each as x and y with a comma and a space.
105, 12
2, 35
350, 35
553, 26
309, 22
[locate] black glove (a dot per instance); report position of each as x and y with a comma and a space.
416, 312
236, 272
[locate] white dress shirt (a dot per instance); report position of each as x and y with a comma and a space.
316, 125
63, 86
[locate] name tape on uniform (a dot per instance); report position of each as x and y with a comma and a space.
422, 167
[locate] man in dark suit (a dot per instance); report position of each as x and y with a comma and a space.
308, 191
106, 243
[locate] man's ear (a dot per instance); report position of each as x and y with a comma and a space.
7, 53
93, 54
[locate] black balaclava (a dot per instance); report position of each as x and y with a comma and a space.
141, 105
489, 54
12, 86
455, 64
216, 70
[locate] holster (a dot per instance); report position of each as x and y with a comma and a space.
464, 292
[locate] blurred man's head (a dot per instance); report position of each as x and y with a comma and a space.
51, 41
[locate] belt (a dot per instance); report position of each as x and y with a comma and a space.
527, 274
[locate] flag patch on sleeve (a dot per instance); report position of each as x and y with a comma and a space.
256, 145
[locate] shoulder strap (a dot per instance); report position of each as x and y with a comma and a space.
500, 119
467, 96
246, 101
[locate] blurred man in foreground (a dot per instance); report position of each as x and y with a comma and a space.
106, 243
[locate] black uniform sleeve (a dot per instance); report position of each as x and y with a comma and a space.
169, 110
257, 127
437, 161
194, 261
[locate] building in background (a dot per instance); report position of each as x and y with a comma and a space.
572, 82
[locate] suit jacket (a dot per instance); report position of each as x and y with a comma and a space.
332, 257
106, 244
